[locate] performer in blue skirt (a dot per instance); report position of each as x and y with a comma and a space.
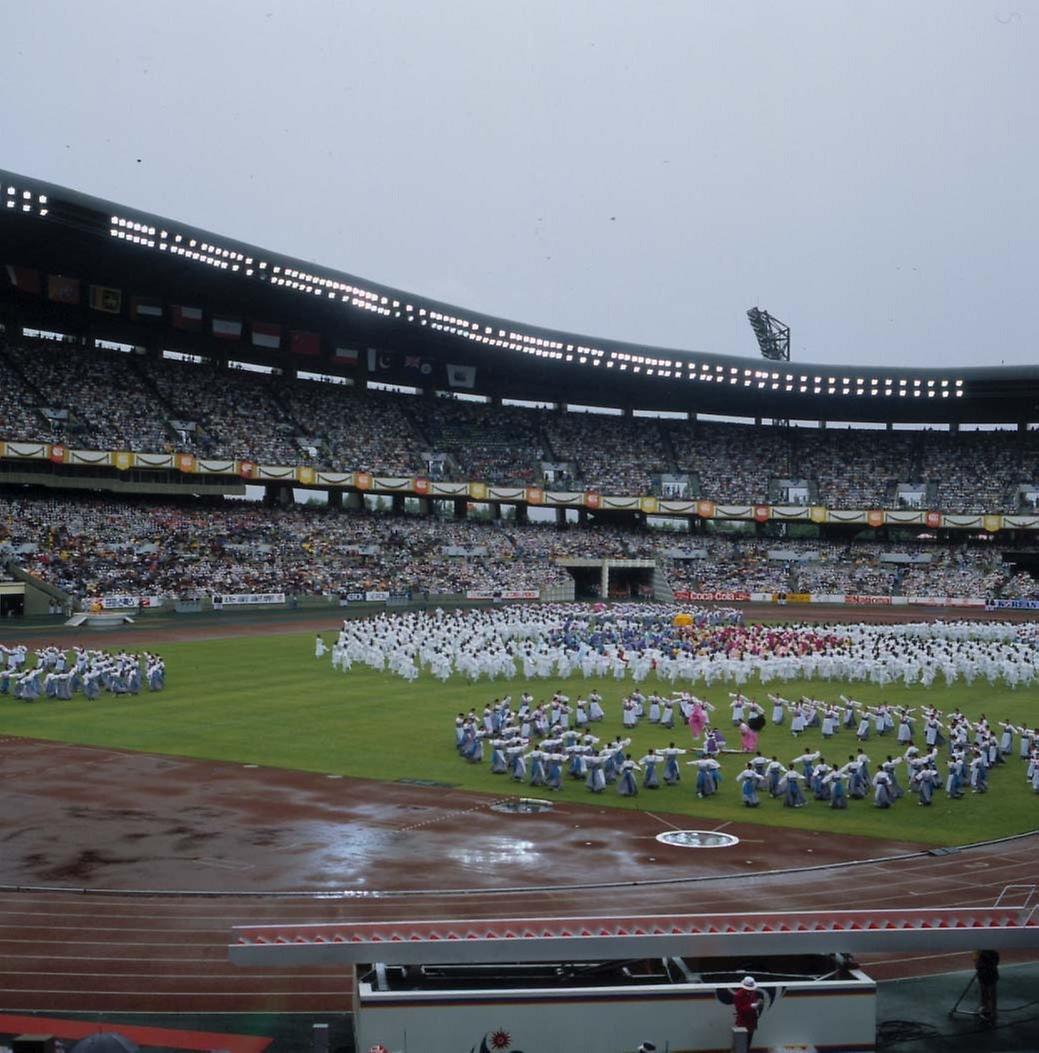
626, 784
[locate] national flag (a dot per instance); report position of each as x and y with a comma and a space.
308, 344
265, 334
348, 356
379, 359
24, 279
61, 289
102, 298
461, 376
227, 328
421, 364
145, 308
182, 317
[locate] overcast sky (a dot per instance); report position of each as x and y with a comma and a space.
866, 171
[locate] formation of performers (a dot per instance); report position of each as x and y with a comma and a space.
548, 743
54, 673
643, 643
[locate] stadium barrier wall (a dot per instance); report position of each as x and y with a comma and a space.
847, 599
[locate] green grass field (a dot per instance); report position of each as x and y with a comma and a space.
266, 700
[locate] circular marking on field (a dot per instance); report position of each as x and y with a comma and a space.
697, 839
522, 806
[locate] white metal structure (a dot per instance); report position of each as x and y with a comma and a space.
609, 1007
541, 939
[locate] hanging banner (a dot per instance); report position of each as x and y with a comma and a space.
94, 458
790, 512
272, 472
619, 504
212, 466
155, 460
391, 482
565, 498
677, 507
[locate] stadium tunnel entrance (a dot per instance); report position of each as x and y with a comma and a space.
617, 579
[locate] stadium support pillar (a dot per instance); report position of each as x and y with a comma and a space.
604, 581
335, 499
425, 506
1022, 426
495, 507
397, 504
954, 427
582, 517
521, 514
461, 507
354, 501
560, 517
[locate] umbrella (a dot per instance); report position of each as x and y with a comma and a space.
105, 1042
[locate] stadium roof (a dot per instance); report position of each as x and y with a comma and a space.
404, 338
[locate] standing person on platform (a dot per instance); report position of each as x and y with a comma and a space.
986, 967
747, 1000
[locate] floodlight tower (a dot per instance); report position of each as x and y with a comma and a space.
773, 336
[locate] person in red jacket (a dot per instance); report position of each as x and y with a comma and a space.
746, 1002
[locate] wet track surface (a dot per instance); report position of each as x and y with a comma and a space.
123, 872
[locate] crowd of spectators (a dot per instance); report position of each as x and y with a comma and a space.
99, 392
90, 546
114, 400
374, 433
494, 444
20, 420
854, 468
610, 454
735, 462
236, 413
974, 470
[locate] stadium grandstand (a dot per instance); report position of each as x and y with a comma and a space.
151, 371
189, 423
